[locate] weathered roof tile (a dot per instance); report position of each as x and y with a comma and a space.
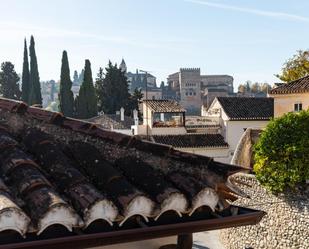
297, 86
247, 108
74, 174
164, 106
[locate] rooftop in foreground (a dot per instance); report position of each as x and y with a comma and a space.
66, 182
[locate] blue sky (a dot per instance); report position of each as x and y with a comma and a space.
248, 39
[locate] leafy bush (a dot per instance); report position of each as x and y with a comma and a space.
282, 152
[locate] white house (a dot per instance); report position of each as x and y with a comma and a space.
236, 114
165, 122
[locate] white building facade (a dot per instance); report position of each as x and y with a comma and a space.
237, 114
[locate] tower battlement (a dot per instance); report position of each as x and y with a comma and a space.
193, 69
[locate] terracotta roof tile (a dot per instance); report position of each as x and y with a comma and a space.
113, 120
247, 108
74, 174
164, 106
297, 86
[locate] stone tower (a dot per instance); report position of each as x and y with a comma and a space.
190, 89
123, 66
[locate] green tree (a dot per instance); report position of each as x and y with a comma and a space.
35, 92
25, 76
281, 153
255, 87
86, 101
75, 78
265, 87
248, 86
81, 77
53, 90
66, 99
114, 93
241, 88
135, 99
9, 87
99, 86
295, 67
162, 85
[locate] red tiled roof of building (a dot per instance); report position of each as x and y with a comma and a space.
164, 106
247, 108
297, 86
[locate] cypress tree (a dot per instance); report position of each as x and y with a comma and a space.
99, 87
66, 99
86, 101
25, 76
35, 93
75, 78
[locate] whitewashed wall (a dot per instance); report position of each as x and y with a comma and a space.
235, 129
219, 154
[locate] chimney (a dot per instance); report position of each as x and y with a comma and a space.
135, 116
122, 114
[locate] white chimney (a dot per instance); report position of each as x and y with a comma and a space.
122, 114
135, 116
162, 117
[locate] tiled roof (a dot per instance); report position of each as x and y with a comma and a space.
297, 86
164, 106
113, 120
191, 140
70, 173
247, 108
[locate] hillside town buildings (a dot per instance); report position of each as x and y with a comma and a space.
164, 122
237, 114
186, 86
193, 89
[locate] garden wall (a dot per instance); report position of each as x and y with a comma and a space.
286, 225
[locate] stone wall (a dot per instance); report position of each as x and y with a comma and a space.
286, 225
243, 154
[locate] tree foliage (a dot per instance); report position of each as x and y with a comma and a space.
295, 67
241, 88
254, 88
35, 92
281, 153
86, 101
66, 98
9, 87
113, 91
99, 86
75, 78
81, 77
25, 76
135, 99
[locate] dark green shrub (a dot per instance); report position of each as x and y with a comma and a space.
282, 152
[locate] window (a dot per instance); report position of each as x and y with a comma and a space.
298, 107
